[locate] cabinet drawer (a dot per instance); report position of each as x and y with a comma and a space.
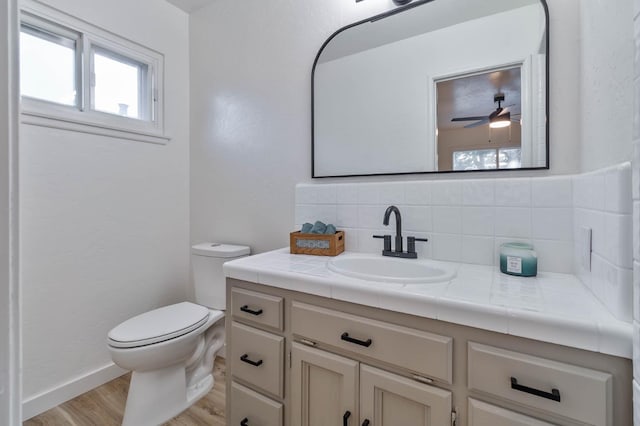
483, 414
250, 405
258, 308
575, 392
257, 357
418, 351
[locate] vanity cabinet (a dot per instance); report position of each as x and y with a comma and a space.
329, 389
330, 362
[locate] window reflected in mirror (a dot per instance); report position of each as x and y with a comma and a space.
479, 120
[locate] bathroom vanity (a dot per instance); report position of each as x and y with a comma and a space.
307, 346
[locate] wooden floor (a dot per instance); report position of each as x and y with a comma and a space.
104, 406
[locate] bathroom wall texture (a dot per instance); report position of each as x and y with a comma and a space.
250, 100
636, 215
606, 70
104, 221
9, 304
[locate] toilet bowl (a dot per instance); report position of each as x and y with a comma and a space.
171, 350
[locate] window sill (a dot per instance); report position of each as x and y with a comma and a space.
68, 123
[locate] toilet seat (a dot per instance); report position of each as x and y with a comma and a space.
159, 325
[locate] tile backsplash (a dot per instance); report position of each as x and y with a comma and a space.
467, 221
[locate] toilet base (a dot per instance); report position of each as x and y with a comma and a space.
159, 395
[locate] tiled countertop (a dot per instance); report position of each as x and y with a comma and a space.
551, 307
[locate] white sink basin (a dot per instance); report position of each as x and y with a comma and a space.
391, 269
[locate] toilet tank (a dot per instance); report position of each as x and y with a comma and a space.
208, 277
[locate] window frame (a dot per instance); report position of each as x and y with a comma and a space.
495, 149
82, 117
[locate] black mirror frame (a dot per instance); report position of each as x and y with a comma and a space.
394, 12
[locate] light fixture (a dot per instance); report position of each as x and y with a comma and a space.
498, 121
401, 2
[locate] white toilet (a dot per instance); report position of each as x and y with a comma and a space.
171, 350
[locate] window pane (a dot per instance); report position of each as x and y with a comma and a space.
478, 159
117, 85
509, 158
47, 68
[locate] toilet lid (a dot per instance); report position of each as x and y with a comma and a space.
159, 325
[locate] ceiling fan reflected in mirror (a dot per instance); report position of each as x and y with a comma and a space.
501, 117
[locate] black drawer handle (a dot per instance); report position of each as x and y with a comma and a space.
554, 395
365, 343
366, 422
245, 358
244, 422
345, 418
245, 308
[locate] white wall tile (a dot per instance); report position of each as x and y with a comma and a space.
447, 220
391, 193
346, 194
370, 216
552, 192
446, 247
368, 193
636, 230
636, 362
446, 193
635, 161
513, 222
636, 291
552, 224
617, 185
479, 192
417, 193
619, 292
478, 221
618, 240
417, 218
513, 192
347, 216
478, 250
554, 256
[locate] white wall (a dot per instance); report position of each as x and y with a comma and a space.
9, 304
250, 97
104, 221
607, 50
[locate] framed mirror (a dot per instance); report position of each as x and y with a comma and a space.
434, 86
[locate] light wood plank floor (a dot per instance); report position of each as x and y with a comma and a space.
104, 406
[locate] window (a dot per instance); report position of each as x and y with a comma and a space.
482, 159
79, 77
48, 65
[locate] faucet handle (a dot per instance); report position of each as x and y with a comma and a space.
411, 243
387, 241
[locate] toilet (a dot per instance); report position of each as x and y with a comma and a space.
171, 350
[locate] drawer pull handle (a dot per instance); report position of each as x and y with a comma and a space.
366, 422
245, 358
554, 395
245, 308
244, 422
345, 418
365, 343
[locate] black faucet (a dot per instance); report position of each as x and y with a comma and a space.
385, 222
411, 241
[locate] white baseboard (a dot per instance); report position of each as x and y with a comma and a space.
46, 400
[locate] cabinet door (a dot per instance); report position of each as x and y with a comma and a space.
387, 399
483, 414
324, 388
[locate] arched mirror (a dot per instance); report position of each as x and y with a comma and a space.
434, 86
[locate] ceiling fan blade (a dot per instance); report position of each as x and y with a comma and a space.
484, 117
478, 123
